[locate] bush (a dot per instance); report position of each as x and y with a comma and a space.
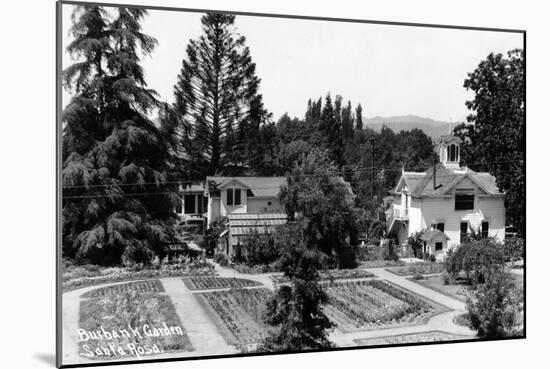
259, 249
493, 309
418, 276
432, 258
477, 259
389, 251
415, 243
446, 278
221, 259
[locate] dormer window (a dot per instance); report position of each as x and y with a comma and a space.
452, 153
233, 196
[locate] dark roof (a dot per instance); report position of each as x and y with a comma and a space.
421, 184
430, 234
446, 139
262, 223
259, 186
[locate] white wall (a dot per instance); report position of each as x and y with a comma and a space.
442, 210
227, 209
259, 204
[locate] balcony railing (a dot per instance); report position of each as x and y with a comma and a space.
401, 213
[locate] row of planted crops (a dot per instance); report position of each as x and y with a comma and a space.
353, 306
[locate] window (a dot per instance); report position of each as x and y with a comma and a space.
463, 231
485, 229
189, 204
233, 196
439, 226
464, 201
439, 246
452, 153
229, 196
237, 196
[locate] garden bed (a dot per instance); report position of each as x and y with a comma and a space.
237, 314
79, 276
206, 283
376, 304
130, 321
381, 263
432, 336
140, 287
418, 268
336, 274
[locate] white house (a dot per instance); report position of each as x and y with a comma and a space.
455, 201
249, 204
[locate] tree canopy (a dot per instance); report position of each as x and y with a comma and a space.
117, 203
496, 136
216, 98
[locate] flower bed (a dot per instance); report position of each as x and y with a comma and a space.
418, 268
336, 274
375, 304
206, 283
237, 313
432, 336
79, 276
152, 285
130, 322
381, 263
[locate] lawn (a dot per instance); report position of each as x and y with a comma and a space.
206, 283
375, 304
432, 336
237, 314
130, 320
460, 290
418, 268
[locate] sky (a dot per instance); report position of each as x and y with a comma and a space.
391, 70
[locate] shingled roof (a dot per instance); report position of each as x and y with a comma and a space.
245, 223
421, 184
259, 186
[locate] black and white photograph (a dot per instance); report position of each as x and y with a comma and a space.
239, 184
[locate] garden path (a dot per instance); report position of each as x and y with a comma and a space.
416, 288
264, 279
202, 332
205, 338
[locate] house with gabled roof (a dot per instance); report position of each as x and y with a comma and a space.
449, 198
217, 197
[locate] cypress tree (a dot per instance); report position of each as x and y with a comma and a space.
359, 117
117, 204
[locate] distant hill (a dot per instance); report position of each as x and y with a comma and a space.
432, 128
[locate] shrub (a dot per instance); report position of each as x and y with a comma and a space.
493, 309
221, 259
432, 258
446, 278
415, 243
418, 276
477, 259
259, 249
389, 250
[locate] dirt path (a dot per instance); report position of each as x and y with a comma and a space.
202, 332
205, 338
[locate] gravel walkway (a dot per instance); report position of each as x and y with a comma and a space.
205, 338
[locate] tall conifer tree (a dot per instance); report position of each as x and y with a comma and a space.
117, 205
217, 96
